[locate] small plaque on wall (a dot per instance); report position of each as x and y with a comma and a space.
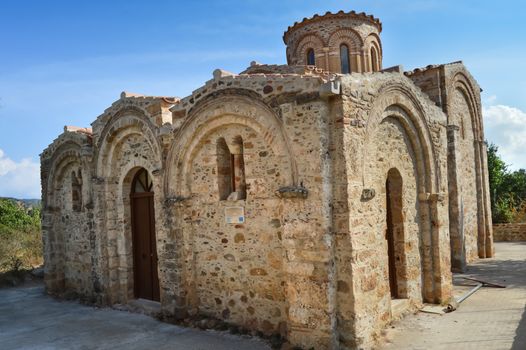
235, 215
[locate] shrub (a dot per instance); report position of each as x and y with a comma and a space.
20, 236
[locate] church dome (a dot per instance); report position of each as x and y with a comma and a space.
336, 42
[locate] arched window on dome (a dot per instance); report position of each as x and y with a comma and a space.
374, 60
311, 60
344, 59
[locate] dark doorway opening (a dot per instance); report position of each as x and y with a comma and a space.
146, 280
394, 234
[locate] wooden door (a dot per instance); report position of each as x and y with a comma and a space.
146, 280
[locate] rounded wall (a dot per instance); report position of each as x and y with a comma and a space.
339, 43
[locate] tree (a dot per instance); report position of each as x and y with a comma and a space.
15, 216
497, 170
507, 188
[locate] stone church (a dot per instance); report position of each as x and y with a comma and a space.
316, 200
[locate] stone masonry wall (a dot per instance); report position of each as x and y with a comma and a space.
453, 89
124, 145
271, 272
514, 232
239, 273
381, 125
67, 217
467, 174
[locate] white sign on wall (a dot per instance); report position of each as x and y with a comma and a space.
235, 215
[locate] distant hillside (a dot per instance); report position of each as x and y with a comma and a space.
28, 203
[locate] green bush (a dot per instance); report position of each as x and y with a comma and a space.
502, 211
14, 215
20, 236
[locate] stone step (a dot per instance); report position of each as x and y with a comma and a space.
141, 306
399, 307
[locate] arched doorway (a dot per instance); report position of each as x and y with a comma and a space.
394, 234
146, 280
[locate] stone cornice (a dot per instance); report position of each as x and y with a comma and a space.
329, 15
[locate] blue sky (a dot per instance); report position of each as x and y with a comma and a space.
64, 62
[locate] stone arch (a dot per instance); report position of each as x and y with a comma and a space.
353, 41
374, 40
463, 87
346, 36
406, 107
372, 47
127, 141
397, 103
462, 84
217, 113
64, 157
374, 58
116, 215
125, 244
309, 41
196, 208
126, 121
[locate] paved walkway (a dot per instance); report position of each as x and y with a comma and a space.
31, 320
491, 319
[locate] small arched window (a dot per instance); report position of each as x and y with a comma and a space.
344, 59
76, 191
311, 59
224, 169
374, 60
231, 169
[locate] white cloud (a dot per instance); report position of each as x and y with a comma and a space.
490, 100
505, 126
19, 179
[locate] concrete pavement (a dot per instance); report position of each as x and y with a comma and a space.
491, 319
31, 320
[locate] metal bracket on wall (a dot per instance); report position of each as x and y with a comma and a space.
176, 199
368, 194
292, 192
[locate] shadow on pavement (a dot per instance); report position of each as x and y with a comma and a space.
519, 342
505, 271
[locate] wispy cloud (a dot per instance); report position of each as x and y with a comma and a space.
90, 65
506, 127
19, 179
